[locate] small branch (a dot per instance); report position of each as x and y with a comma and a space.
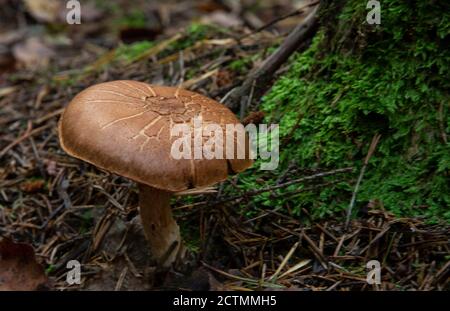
263, 74
372, 147
295, 181
28, 133
299, 11
270, 188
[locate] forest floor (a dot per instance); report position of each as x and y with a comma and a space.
69, 210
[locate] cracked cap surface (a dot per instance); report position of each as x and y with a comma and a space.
124, 127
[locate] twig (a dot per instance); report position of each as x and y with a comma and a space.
299, 11
339, 245
246, 103
296, 267
285, 260
270, 188
332, 287
121, 279
372, 147
376, 238
239, 278
295, 181
27, 134
319, 255
264, 73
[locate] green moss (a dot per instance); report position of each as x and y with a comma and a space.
239, 65
134, 19
242, 65
193, 34
50, 269
129, 52
190, 237
390, 79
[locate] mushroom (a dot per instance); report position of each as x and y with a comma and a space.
124, 127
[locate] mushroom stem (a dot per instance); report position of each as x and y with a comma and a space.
160, 228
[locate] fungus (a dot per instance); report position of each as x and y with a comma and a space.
124, 127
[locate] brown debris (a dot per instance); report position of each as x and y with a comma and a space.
407, 250
33, 53
19, 270
32, 185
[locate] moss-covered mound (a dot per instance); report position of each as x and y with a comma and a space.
357, 80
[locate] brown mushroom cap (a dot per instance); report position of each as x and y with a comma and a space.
124, 127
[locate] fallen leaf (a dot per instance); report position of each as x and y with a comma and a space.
224, 78
223, 19
19, 270
254, 117
209, 6
33, 53
55, 11
44, 10
4, 91
32, 185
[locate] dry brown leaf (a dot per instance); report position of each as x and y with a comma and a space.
55, 11
209, 6
4, 91
33, 53
224, 78
223, 19
44, 10
19, 270
32, 185
254, 117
